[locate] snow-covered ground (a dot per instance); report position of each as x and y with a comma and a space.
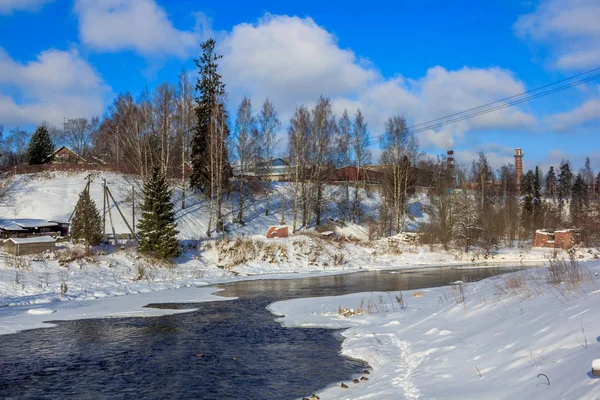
495, 345
114, 270
492, 346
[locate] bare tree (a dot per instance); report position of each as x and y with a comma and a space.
298, 133
344, 159
186, 119
362, 156
266, 141
164, 107
321, 152
401, 151
78, 134
243, 148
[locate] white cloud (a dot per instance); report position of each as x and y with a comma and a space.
575, 118
138, 25
57, 84
293, 61
570, 28
8, 6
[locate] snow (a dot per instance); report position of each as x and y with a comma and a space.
596, 364
37, 239
494, 346
17, 318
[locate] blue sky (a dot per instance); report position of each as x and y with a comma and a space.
423, 59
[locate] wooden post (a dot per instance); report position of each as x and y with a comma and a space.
104, 206
133, 211
282, 208
110, 216
120, 213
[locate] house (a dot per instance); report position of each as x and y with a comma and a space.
64, 155
557, 239
32, 245
351, 173
26, 227
277, 170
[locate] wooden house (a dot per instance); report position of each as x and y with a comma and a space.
64, 155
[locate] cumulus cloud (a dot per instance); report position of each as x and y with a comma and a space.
577, 117
57, 84
570, 28
293, 61
8, 6
138, 25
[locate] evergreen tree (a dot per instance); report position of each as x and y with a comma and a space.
565, 180
157, 227
538, 210
579, 200
40, 147
551, 184
87, 222
210, 115
528, 192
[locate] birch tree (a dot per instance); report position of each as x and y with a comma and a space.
361, 156
243, 147
266, 142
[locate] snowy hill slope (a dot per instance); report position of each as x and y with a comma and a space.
53, 195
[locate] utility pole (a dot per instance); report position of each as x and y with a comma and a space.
133, 208
104, 206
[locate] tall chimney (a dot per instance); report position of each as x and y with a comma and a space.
519, 167
450, 160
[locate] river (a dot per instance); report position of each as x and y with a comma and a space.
223, 350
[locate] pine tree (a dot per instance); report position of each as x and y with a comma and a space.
40, 147
579, 200
538, 210
551, 184
157, 227
528, 190
565, 180
87, 222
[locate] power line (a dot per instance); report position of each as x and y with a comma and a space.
482, 110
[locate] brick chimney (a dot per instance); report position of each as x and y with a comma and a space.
450, 160
519, 167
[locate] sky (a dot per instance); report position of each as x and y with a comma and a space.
422, 59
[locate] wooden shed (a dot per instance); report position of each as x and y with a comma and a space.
32, 245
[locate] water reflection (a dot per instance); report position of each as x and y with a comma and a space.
224, 350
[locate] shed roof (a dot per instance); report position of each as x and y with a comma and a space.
37, 239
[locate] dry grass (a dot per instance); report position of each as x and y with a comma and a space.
239, 251
568, 272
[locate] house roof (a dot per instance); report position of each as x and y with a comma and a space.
37, 239
19, 224
69, 150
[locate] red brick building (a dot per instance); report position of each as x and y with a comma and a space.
560, 239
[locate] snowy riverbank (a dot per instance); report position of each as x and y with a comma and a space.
493, 345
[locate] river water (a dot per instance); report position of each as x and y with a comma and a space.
224, 350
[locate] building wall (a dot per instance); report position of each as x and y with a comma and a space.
20, 249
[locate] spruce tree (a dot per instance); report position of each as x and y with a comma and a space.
41, 147
87, 222
565, 179
551, 184
538, 210
579, 200
210, 111
157, 227
528, 192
